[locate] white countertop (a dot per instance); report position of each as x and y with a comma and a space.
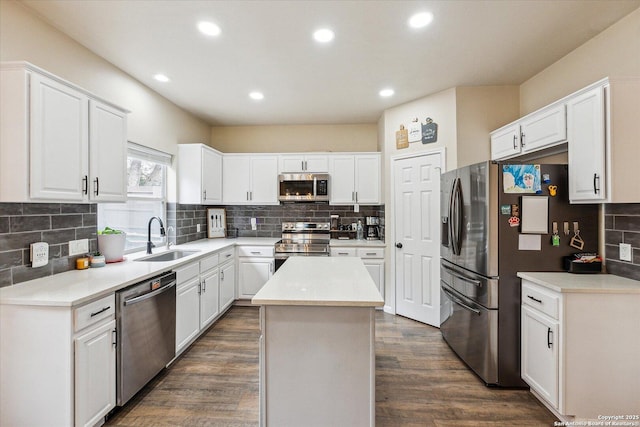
355, 242
76, 287
321, 281
587, 283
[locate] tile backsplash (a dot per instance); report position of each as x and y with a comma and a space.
54, 223
57, 223
622, 225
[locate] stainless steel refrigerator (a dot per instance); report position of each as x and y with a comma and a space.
482, 249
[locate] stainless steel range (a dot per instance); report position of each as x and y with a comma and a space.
302, 239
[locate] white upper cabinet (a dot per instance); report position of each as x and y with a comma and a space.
250, 179
199, 174
587, 146
107, 153
505, 142
539, 130
545, 128
299, 163
355, 179
603, 142
57, 141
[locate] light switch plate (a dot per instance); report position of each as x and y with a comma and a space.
625, 252
78, 247
39, 254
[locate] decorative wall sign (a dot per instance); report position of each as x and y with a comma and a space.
414, 130
216, 222
429, 131
402, 138
521, 178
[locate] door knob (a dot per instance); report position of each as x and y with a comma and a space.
399, 245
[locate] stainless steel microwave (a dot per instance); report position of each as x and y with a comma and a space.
304, 187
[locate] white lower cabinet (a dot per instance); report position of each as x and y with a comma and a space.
227, 284
95, 373
372, 257
256, 265
540, 361
578, 350
202, 295
209, 308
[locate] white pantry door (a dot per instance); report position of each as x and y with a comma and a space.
417, 237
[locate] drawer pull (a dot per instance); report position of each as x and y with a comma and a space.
371, 253
227, 255
100, 311
343, 253
256, 252
539, 301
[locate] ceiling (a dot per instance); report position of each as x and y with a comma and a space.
268, 46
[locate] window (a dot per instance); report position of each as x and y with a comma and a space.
146, 198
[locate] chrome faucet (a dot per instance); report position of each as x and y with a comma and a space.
162, 233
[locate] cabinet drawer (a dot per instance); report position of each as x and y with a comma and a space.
255, 251
94, 312
370, 252
183, 274
226, 255
208, 263
343, 252
541, 299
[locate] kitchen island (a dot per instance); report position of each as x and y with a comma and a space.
317, 355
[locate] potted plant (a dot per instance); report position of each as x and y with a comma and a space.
97, 260
111, 244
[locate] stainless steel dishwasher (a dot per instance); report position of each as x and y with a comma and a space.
146, 332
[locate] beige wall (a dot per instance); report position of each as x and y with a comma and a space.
154, 121
480, 110
295, 138
615, 53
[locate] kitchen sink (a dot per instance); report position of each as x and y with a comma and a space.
168, 256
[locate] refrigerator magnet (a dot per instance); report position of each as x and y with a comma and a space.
553, 190
505, 209
514, 221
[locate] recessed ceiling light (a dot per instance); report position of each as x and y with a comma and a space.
420, 20
385, 93
161, 78
209, 28
256, 96
323, 35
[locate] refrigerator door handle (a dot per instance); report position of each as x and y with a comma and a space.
457, 301
459, 276
450, 216
457, 211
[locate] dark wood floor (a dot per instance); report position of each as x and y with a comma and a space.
419, 382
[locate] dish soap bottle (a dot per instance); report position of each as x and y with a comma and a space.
359, 231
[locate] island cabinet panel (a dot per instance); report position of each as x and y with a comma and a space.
317, 366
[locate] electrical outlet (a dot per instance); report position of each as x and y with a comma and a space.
78, 247
625, 252
254, 224
39, 254
197, 228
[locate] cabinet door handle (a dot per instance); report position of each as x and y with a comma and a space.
85, 184
356, 197
306, 166
539, 301
353, 196
101, 311
205, 194
596, 183
222, 275
522, 139
97, 187
114, 338
515, 146
549, 336
200, 288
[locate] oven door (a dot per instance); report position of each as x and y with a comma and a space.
471, 331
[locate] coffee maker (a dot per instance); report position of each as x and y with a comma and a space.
372, 225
